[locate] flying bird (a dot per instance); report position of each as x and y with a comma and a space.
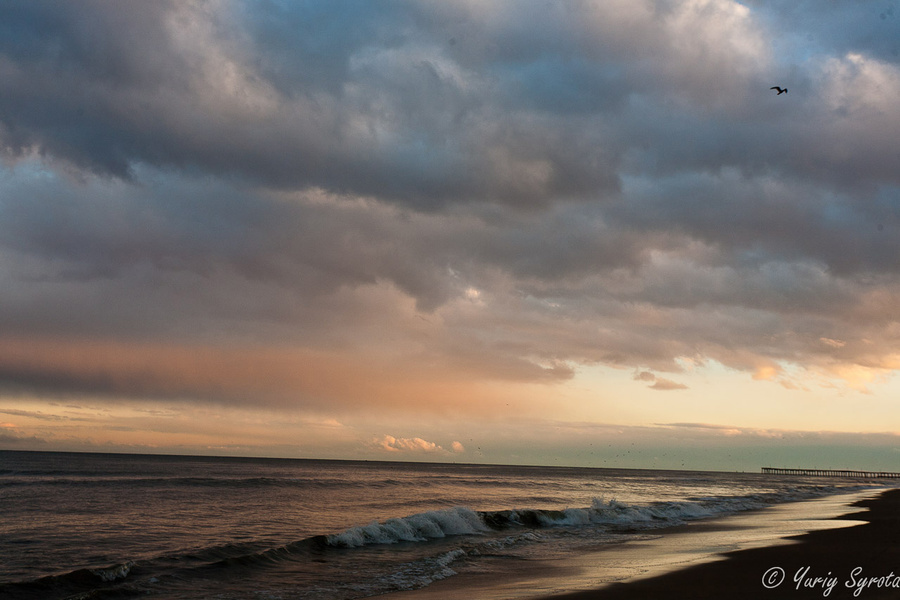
780, 91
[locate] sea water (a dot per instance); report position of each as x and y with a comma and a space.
175, 527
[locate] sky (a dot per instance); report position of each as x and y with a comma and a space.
575, 233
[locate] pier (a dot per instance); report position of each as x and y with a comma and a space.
831, 473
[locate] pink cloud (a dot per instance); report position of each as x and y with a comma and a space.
659, 383
666, 384
392, 444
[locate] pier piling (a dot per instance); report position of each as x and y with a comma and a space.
831, 473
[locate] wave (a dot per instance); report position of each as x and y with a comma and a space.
114, 572
416, 528
463, 521
609, 514
81, 583
420, 573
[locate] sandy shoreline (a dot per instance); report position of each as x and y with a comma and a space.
843, 560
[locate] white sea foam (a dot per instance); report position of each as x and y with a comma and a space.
507, 542
115, 572
663, 514
416, 528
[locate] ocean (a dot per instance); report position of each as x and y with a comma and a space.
177, 527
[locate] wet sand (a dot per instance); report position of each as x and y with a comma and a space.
861, 561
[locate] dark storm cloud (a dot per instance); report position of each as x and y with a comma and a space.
375, 109
549, 184
435, 103
73, 78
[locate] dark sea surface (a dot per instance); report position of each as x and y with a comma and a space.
169, 527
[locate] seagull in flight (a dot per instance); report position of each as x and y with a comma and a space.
780, 91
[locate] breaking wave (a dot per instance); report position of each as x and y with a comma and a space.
609, 514
416, 528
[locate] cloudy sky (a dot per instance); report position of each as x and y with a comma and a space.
581, 232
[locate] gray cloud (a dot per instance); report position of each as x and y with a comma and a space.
390, 115
12, 438
31, 414
550, 184
658, 383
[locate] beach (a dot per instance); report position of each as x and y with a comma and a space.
724, 557
861, 561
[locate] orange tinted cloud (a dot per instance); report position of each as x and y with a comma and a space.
278, 377
390, 443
